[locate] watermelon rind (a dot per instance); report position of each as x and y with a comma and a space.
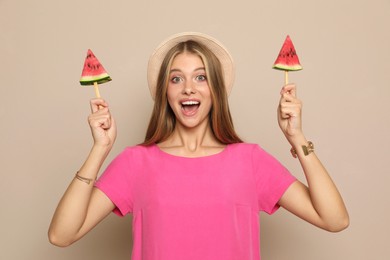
287, 67
90, 80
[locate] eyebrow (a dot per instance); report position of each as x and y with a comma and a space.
178, 70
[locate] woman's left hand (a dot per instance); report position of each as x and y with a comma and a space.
290, 112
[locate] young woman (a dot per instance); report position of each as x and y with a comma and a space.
194, 188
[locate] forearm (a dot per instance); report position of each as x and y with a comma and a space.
324, 195
72, 209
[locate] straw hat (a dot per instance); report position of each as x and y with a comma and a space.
215, 46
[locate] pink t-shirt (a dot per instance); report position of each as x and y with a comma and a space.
195, 208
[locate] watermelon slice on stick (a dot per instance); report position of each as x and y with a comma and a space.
93, 73
287, 59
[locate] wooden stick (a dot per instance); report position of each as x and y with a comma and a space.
96, 87
285, 77
97, 92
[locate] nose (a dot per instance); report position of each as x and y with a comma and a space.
189, 88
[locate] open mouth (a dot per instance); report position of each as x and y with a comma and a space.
190, 106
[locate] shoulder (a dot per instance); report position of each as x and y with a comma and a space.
254, 152
135, 153
246, 152
245, 148
131, 158
138, 150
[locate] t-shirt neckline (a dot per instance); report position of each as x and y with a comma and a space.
221, 153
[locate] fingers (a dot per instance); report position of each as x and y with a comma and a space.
289, 109
290, 89
100, 119
98, 103
100, 116
289, 104
289, 94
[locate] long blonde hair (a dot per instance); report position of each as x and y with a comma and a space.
162, 121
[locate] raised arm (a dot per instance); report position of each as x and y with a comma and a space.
319, 203
83, 206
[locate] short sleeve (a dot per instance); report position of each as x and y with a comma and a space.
272, 179
115, 183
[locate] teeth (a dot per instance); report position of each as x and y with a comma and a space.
189, 103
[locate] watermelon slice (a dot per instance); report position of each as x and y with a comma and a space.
287, 59
93, 71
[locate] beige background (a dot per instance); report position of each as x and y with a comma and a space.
344, 47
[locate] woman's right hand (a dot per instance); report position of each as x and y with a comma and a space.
102, 124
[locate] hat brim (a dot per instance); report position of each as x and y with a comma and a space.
214, 45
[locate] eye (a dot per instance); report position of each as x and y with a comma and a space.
201, 77
176, 79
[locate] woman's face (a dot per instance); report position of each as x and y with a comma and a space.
188, 91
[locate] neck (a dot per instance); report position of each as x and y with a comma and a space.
192, 142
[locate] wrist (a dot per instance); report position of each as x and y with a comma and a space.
101, 149
304, 149
297, 140
92, 164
